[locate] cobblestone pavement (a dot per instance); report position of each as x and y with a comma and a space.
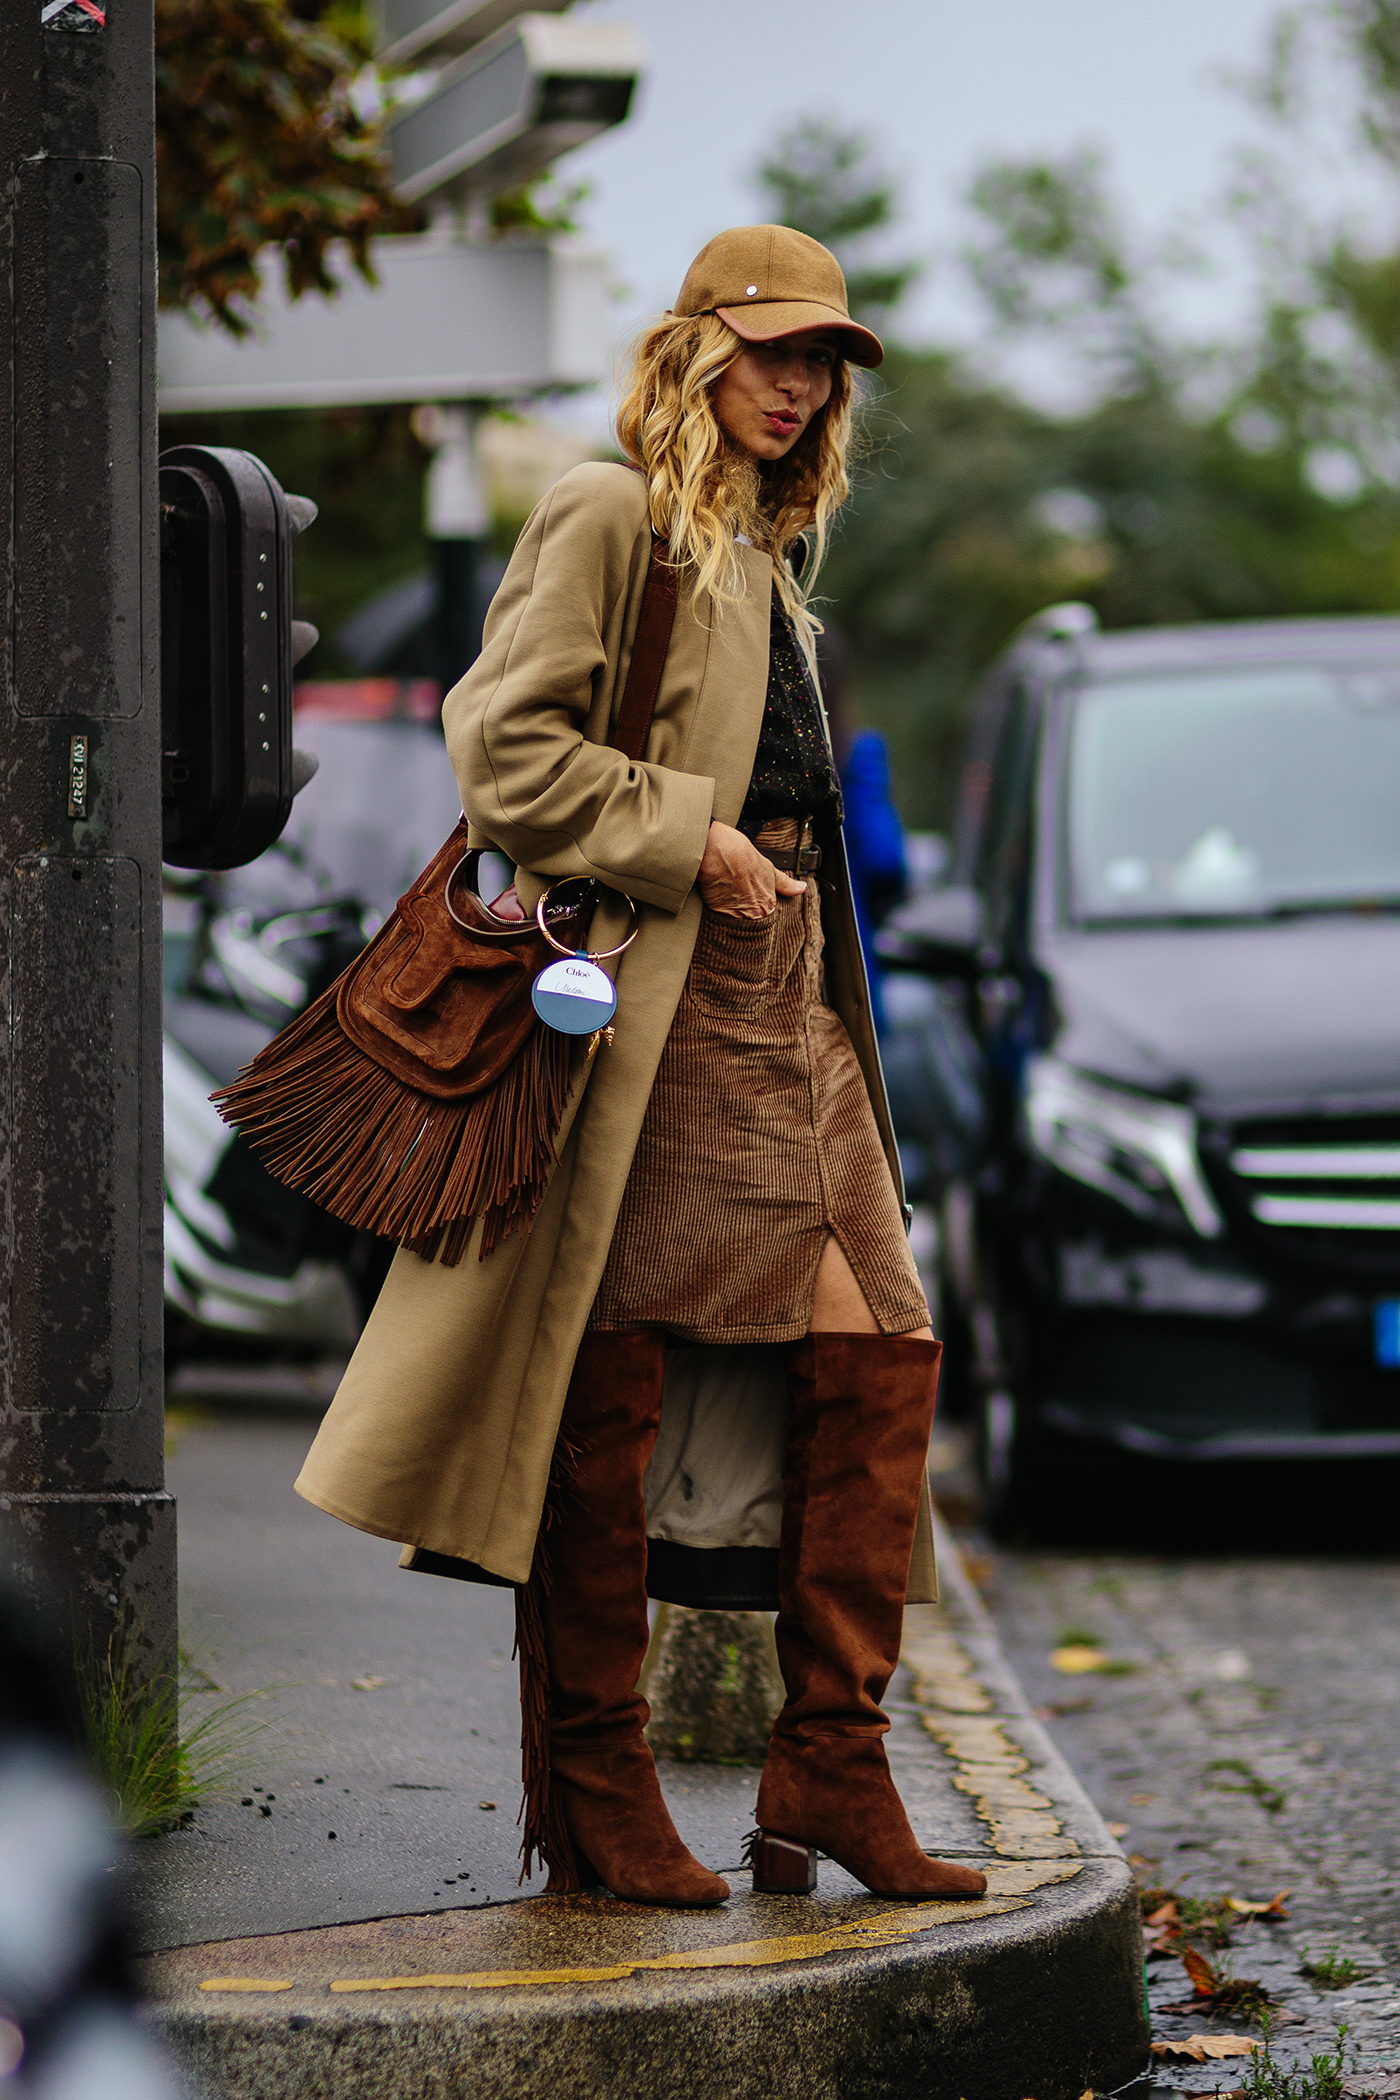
1244, 1740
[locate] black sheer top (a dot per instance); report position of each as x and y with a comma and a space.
793, 772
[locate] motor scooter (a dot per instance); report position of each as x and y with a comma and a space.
249, 1264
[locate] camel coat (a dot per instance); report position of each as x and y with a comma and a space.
443, 1428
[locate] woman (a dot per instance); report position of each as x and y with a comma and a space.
726, 1181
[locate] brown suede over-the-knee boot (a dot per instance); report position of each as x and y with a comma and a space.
593, 1804
853, 1475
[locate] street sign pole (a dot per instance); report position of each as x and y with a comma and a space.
87, 1523
458, 530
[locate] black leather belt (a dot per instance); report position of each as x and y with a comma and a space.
793, 860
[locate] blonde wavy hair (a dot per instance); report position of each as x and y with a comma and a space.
705, 490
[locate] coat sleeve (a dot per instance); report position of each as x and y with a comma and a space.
557, 801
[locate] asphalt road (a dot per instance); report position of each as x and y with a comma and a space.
1245, 1738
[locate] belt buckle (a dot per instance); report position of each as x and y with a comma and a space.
804, 841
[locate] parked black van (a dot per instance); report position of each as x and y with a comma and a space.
1148, 1058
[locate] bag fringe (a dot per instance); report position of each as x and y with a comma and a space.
376, 1153
544, 1833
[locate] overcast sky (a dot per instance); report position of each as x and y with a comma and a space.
942, 84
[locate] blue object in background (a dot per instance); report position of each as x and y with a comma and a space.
1388, 1333
874, 846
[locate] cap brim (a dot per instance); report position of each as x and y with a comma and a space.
768, 320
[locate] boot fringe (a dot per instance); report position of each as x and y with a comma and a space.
384, 1157
544, 1834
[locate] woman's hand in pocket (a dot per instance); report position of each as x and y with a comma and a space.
735, 877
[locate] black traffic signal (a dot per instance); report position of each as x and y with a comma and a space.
228, 643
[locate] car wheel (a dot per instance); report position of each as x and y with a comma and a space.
1001, 1462
955, 1386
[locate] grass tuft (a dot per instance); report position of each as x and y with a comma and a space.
1322, 2079
1270, 1798
1331, 1972
155, 1770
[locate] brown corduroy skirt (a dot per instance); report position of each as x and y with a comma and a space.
758, 1141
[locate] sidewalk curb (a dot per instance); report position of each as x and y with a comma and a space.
1036, 1989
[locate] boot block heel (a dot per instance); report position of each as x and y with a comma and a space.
781, 1867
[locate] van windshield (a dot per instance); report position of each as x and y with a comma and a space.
1232, 793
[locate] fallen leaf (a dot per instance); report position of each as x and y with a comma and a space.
1117, 1830
1200, 2046
1238, 1997
1089, 2095
1141, 1800
1168, 1914
1202, 1975
486, 1804
367, 1684
1077, 1660
1272, 1909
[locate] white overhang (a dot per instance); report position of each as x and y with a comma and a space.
448, 321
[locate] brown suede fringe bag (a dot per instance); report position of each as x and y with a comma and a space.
421, 1090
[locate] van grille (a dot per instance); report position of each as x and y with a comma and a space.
1335, 1181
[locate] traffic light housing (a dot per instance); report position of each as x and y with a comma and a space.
228, 648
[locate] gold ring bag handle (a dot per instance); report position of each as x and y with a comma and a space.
595, 955
486, 925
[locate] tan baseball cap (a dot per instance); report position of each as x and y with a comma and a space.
772, 281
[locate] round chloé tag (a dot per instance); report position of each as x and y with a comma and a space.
574, 996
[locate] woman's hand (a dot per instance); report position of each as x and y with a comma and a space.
735, 877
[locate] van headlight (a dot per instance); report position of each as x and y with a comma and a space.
1139, 1151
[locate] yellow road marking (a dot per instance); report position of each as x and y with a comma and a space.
244, 1983
988, 1765
891, 1929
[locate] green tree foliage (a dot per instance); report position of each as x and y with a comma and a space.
1055, 251
541, 208
1050, 258
258, 142
1327, 346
